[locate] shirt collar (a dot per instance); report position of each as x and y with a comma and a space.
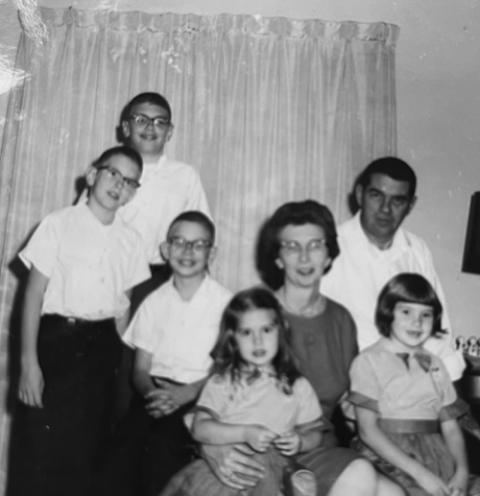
400, 240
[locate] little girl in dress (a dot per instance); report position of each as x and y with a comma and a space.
255, 396
404, 402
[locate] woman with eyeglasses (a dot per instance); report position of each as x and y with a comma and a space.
297, 245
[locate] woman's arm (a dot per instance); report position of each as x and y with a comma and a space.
31, 383
234, 465
375, 438
456, 445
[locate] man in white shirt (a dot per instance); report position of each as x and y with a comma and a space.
374, 248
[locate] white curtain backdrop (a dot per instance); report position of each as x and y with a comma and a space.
268, 109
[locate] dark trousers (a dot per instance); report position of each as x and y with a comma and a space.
145, 452
55, 448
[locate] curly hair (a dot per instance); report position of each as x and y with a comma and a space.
225, 354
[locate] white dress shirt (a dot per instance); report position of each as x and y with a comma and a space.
89, 265
179, 334
360, 272
167, 189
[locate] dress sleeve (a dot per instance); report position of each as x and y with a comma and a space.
214, 396
364, 387
42, 248
308, 406
350, 339
452, 406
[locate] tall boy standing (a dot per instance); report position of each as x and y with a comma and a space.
168, 187
83, 261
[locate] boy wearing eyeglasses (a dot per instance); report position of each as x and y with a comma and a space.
172, 333
83, 262
168, 187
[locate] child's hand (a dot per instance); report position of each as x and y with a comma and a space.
30, 388
288, 443
458, 483
259, 437
433, 484
159, 403
180, 394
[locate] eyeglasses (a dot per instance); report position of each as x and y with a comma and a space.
197, 245
116, 176
143, 120
295, 248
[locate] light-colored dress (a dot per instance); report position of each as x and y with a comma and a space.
412, 394
259, 400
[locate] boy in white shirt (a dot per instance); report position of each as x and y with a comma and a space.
169, 187
84, 261
172, 332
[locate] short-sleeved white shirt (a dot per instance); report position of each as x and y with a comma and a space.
179, 334
167, 189
361, 270
260, 402
89, 265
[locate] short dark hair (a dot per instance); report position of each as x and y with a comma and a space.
119, 150
297, 214
147, 97
393, 167
407, 287
225, 353
197, 217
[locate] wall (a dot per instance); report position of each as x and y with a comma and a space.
438, 81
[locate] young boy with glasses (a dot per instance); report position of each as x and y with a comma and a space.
172, 332
83, 262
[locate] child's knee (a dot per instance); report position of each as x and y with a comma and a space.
362, 473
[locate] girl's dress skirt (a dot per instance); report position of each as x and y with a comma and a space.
428, 448
326, 462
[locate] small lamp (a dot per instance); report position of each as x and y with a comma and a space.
471, 254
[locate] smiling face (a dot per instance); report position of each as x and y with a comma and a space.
188, 249
384, 203
412, 324
146, 136
111, 185
257, 337
303, 254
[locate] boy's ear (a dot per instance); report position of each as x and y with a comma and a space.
212, 255
125, 129
164, 252
279, 264
91, 175
169, 132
